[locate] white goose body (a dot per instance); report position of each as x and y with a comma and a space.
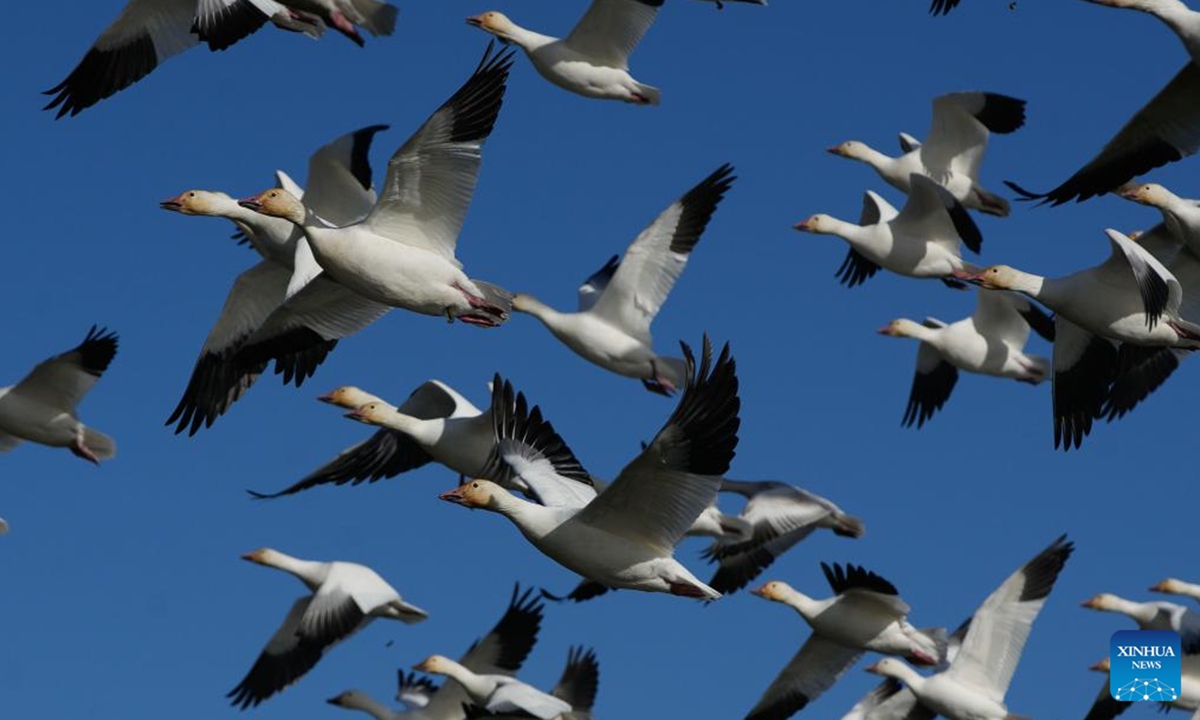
499, 694
618, 303
923, 240
41, 408
858, 621
624, 537
462, 443
950, 698
402, 254
967, 348
593, 61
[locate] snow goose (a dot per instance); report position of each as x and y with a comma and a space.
1166, 129
497, 693
953, 151
269, 314
502, 651
1180, 215
435, 423
148, 32
974, 685
624, 537
891, 700
779, 516
41, 408
618, 303
1172, 586
345, 598
1157, 615
990, 342
1130, 297
402, 254
576, 687
920, 241
865, 613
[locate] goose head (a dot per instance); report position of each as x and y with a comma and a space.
821, 224
1171, 586
276, 202
496, 23
371, 413
775, 591
1105, 602
481, 494
996, 277
1151, 194
852, 149
435, 665
263, 556
348, 397
902, 327
198, 202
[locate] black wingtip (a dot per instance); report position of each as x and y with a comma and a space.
360, 149
856, 577
1001, 114
699, 204
707, 414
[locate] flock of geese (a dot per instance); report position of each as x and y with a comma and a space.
339, 253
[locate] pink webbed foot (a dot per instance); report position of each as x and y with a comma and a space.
79, 450
920, 658
479, 320
345, 27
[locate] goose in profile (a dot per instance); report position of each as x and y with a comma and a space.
345, 598
41, 408
278, 310
403, 253
618, 303
576, 687
497, 694
1171, 586
922, 241
1156, 615
776, 517
864, 614
1166, 129
592, 61
891, 700
953, 151
501, 652
149, 32
989, 342
975, 683
779, 517
1129, 298
624, 537
435, 424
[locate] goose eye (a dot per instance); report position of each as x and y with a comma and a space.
191, 194
475, 485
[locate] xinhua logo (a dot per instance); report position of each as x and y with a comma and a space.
1144, 666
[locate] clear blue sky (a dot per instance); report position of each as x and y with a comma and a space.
123, 594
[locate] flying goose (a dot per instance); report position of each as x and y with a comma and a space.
1166, 129
974, 685
989, 342
497, 693
435, 424
593, 60
953, 151
148, 32
1156, 615
1172, 586
345, 598
1130, 297
269, 314
402, 254
864, 614
624, 537
618, 303
779, 516
576, 687
41, 407
501, 652
921, 241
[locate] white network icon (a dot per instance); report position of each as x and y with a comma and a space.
1150, 689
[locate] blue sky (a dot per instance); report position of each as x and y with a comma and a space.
123, 591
